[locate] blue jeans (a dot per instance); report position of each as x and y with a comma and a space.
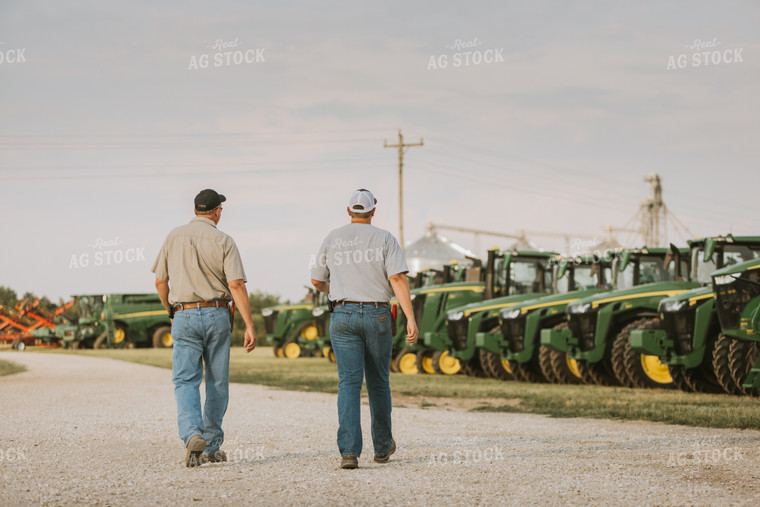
201, 335
362, 341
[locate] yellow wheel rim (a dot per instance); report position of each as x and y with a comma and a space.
449, 365
119, 335
331, 356
505, 365
427, 363
655, 370
310, 332
408, 364
278, 352
166, 340
326, 351
572, 364
292, 350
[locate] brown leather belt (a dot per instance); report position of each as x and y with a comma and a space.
366, 303
186, 306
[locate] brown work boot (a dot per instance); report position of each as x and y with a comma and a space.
349, 462
195, 448
383, 458
217, 457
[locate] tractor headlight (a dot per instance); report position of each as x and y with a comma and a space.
579, 308
455, 316
673, 306
724, 279
510, 314
318, 311
267, 312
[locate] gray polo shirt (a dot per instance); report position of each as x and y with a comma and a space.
199, 261
357, 260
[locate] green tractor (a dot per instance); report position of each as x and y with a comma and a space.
737, 292
599, 326
687, 335
88, 327
291, 328
517, 345
510, 276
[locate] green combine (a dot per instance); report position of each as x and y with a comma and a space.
599, 326
687, 336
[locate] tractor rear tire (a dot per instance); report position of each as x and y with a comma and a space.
721, 365
277, 351
395, 361
678, 373
642, 370
595, 374
444, 364
485, 363
472, 367
545, 363
495, 366
562, 369
527, 372
162, 338
742, 356
617, 358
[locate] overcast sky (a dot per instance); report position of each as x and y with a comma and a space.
110, 124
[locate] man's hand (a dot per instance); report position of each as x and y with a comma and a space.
411, 333
250, 340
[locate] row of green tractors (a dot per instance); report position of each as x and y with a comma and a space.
111, 321
643, 317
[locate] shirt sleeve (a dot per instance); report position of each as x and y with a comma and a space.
318, 264
161, 267
233, 264
395, 262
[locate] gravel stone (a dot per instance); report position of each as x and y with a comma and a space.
88, 430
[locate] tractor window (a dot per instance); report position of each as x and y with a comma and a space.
583, 278
525, 277
701, 270
651, 270
90, 306
734, 254
625, 279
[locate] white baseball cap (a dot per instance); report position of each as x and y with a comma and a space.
362, 201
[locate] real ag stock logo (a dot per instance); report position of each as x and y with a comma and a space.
11, 55
466, 54
226, 54
107, 252
704, 54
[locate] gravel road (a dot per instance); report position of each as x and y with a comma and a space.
89, 430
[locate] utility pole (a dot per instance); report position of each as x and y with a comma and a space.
401, 148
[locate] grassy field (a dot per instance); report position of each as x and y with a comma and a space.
9, 368
462, 392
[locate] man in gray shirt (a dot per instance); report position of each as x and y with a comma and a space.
361, 267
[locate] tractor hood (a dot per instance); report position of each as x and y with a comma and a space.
662, 289
492, 306
737, 269
451, 287
551, 300
686, 300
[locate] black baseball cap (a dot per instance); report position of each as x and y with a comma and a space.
208, 199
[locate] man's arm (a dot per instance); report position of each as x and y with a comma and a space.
163, 292
321, 286
401, 289
240, 297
